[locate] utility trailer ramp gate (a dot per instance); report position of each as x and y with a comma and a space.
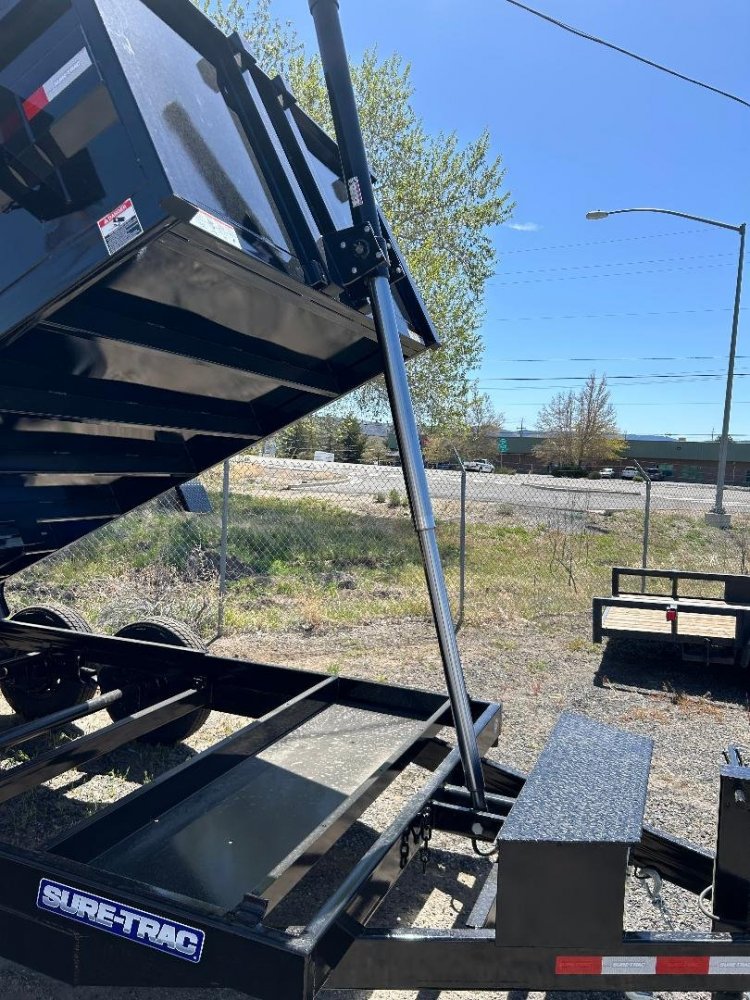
189, 264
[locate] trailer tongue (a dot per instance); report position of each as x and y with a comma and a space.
189, 265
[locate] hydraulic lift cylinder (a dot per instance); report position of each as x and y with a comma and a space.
365, 213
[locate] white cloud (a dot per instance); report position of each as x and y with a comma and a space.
524, 227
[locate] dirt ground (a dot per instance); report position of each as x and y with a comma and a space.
691, 714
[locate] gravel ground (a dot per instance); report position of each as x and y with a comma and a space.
691, 715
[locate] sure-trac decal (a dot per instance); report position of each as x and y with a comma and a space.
139, 926
56, 84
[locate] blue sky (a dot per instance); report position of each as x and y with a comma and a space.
580, 127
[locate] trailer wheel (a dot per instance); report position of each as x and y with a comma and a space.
170, 633
61, 685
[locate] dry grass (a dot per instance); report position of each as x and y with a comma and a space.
335, 584
299, 562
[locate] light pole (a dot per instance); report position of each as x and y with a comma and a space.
717, 516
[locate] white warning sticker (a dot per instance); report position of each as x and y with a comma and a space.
120, 226
216, 227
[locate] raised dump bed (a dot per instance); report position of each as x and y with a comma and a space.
707, 629
190, 264
169, 299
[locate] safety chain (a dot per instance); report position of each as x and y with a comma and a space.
421, 833
649, 877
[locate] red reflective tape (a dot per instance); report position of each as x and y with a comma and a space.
682, 965
578, 965
36, 103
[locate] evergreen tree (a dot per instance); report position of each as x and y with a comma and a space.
297, 440
351, 441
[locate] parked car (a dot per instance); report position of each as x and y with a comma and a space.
607, 473
654, 472
479, 465
629, 472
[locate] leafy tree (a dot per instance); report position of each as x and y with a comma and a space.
351, 440
442, 198
297, 440
473, 437
375, 450
580, 428
484, 426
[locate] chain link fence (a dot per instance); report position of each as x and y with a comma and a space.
294, 545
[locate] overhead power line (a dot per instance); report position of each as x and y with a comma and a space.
615, 274
717, 403
626, 52
614, 315
636, 384
681, 376
617, 263
599, 243
652, 357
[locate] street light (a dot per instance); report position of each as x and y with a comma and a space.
717, 516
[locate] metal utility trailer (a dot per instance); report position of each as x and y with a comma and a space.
189, 264
706, 629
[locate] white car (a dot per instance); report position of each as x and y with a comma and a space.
607, 473
479, 465
629, 472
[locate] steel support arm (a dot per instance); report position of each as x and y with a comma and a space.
365, 216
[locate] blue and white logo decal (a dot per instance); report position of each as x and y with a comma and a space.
139, 926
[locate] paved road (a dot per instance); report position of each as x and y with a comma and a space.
516, 490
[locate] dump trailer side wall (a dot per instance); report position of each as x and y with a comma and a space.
71, 154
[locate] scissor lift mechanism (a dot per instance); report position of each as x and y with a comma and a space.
261, 316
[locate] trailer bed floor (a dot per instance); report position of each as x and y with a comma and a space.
227, 838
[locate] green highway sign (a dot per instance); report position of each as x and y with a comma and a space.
502, 445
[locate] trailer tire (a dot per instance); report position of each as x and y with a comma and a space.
169, 633
60, 689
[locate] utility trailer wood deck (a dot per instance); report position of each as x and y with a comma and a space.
707, 629
189, 264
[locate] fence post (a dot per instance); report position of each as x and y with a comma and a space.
646, 521
223, 549
462, 548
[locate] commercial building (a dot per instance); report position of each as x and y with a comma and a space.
676, 458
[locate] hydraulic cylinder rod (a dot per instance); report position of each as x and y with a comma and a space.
365, 212
28, 730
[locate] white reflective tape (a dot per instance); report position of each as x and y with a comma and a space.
628, 965
72, 69
729, 966
355, 193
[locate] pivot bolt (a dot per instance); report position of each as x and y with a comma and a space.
342, 244
355, 270
477, 829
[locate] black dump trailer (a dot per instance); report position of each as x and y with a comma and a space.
189, 264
